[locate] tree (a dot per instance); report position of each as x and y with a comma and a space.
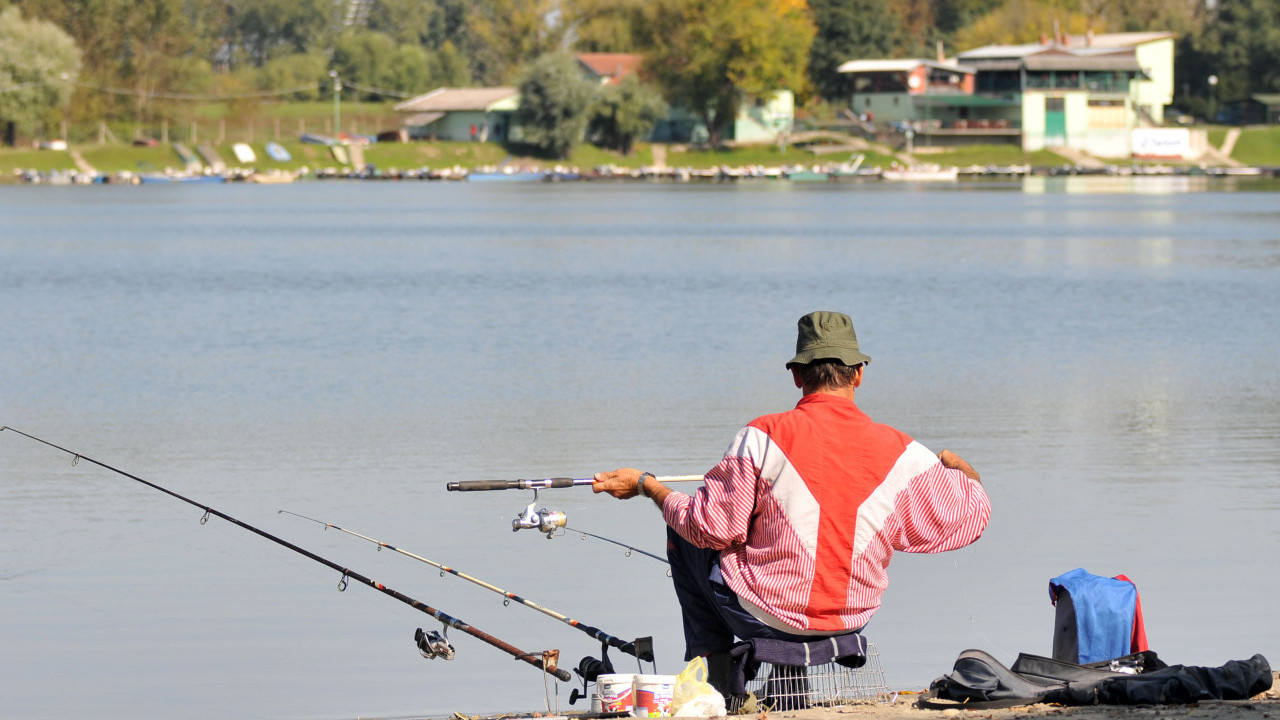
848, 30
554, 99
604, 25
507, 34
429, 23
708, 53
1241, 46
38, 64
260, 30
1024, 21
624, 112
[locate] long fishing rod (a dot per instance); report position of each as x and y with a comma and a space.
645, 652
630, 548
545, 483
543, 661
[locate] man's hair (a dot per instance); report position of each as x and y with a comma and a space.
825, 374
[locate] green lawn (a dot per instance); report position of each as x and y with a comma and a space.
994, 155
1258, 147
42, 160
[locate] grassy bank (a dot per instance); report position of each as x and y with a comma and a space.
1256, 146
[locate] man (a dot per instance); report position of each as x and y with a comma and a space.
791, 534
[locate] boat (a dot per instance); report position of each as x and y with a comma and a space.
314, 139
920, 173
190, 161
270, 177
211, 158
276, 152
244, 153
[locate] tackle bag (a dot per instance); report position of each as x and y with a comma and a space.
1097, 618
979, 681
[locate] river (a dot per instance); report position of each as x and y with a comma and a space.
1103, 350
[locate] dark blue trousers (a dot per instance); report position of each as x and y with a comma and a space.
712, 615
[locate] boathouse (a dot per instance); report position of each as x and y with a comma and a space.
460, 114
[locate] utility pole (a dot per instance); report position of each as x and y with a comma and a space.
337, 99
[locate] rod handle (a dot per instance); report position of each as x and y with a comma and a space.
467, 485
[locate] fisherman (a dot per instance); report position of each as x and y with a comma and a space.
791, 534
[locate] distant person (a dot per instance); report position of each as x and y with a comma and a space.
791, 535
473, 132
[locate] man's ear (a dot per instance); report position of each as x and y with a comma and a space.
795, 377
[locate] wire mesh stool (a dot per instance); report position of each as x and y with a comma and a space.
784, 687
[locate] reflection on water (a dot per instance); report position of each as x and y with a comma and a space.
1105, 359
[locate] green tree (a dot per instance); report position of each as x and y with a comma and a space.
1241, 46
38, 64
708, 53
506, 34
848, 30
429, 23
1025, 21
259, 30
605, 25
624, 112
308, 70
554, 100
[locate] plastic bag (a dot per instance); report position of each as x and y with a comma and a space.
693, 695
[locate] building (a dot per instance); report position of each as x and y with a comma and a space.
609, 68
460, 114
1084, 93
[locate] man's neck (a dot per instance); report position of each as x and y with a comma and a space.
846, 392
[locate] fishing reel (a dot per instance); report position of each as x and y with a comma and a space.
433, 645
544, 520
589, 669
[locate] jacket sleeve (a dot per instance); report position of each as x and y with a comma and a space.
940, 509
718, 514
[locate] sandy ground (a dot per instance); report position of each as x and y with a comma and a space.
1265, 705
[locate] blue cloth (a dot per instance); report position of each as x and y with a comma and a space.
1105, 611
710, 609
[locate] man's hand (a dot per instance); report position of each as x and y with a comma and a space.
621, 483
954, 461
624, 483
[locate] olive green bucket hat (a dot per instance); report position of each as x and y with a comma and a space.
827, 335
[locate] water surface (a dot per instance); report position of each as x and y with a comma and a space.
1102, 350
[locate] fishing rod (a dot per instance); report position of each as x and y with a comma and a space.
643, 652
545, 483
545, 661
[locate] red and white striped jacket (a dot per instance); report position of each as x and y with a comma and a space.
808, 506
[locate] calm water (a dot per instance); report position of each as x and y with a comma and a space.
1103, 351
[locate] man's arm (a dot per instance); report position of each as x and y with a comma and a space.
624, 483
955, 462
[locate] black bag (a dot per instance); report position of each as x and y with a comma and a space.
979, 681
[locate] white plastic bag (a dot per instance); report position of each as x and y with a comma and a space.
694, 696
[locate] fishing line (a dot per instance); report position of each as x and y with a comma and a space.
545, 662
969, 604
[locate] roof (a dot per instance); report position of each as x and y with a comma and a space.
1266, 98
862, 66
1118, 40
1051, 57
458, 99
1113, 61
611, 67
